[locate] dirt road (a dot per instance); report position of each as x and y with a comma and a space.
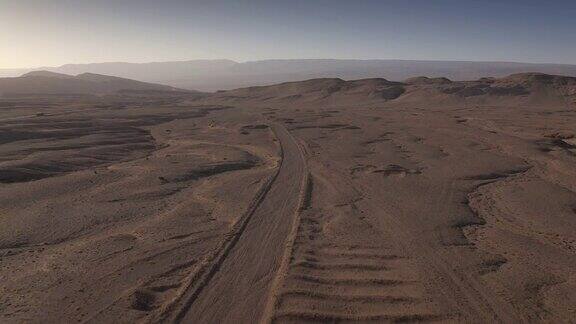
238, 284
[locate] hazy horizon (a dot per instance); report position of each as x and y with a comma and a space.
278, 59
79, 32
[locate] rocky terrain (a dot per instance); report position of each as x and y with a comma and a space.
318, 201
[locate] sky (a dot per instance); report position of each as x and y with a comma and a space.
35, 33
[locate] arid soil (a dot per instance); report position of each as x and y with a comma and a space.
318, 201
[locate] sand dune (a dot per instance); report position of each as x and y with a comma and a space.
319, 201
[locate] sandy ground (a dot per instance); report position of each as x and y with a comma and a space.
235, 209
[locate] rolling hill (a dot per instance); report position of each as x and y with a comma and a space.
212, 75
46, 82
515, 89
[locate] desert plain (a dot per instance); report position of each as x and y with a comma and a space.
318, 201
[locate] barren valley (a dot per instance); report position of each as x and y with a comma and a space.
318, 201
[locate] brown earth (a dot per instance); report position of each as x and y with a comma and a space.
317, 201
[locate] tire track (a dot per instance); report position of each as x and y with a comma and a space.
273, 300
234, 283
331, 279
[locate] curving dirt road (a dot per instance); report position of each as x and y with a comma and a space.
238, 285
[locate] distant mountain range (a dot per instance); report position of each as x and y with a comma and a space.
46, 82
212, 75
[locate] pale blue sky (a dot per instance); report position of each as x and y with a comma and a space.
54, 32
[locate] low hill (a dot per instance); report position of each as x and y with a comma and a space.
48, 74
46, 82
517, 89
213, 75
